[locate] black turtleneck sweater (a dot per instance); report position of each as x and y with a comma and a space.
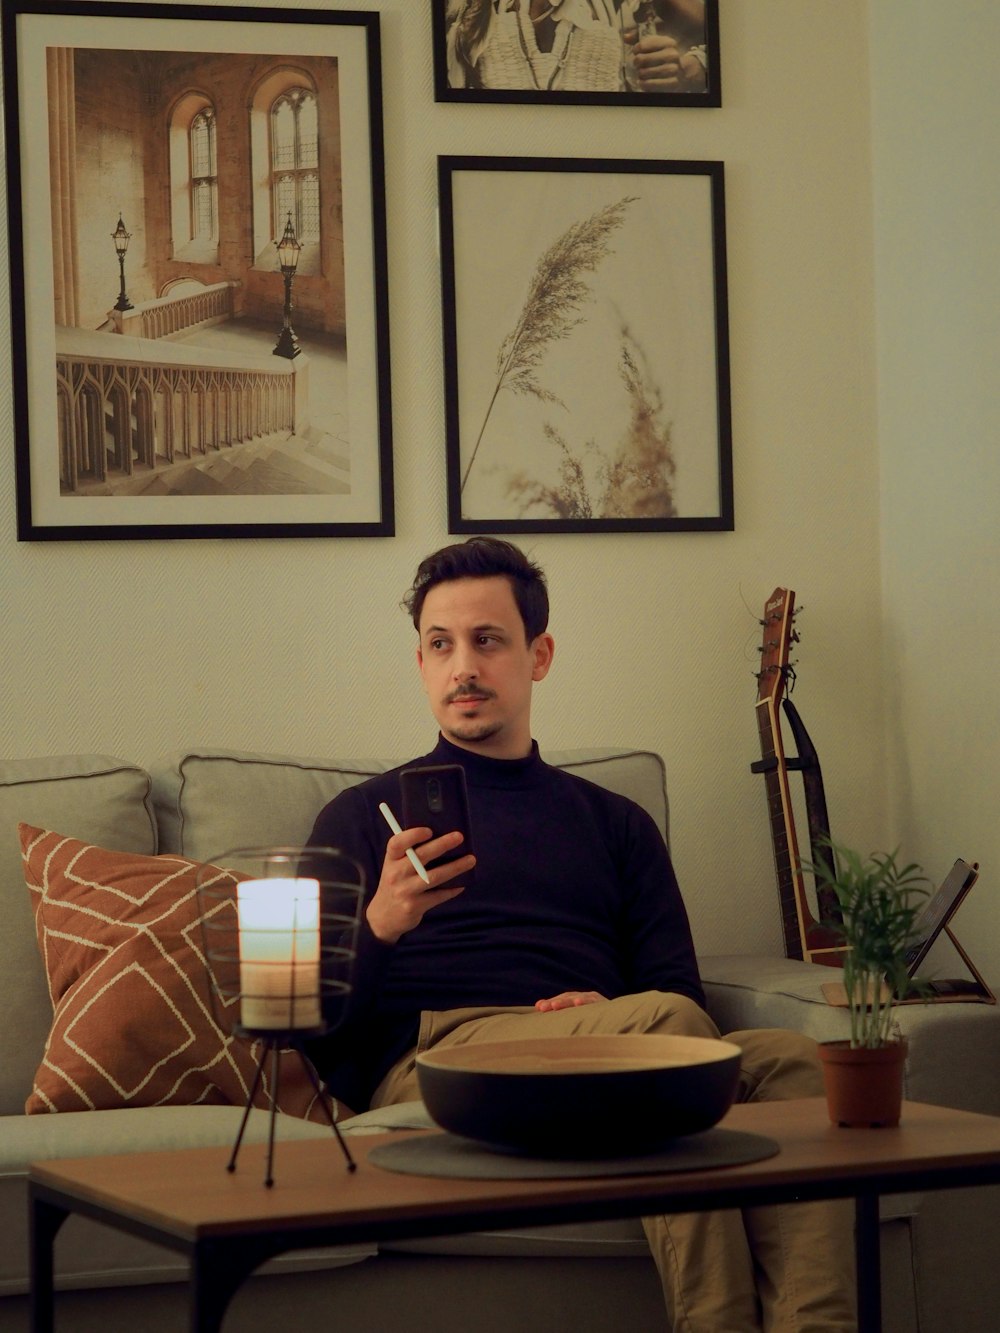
573, 890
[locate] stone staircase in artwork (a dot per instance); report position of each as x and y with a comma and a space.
278, 464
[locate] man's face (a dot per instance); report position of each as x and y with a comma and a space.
477, 668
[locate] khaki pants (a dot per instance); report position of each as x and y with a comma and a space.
783, 1269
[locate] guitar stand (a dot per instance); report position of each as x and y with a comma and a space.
274, 1045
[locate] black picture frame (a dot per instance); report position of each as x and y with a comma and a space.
294, 444
586, 345
452, 79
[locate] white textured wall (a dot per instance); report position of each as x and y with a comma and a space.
137, 648
937, 202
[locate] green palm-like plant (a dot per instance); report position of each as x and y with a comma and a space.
880, 902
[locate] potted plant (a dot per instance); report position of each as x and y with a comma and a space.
880, 902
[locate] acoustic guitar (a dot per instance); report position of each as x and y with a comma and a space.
804, 936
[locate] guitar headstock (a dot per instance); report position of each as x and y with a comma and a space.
779, 635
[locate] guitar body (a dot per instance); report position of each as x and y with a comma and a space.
804, 936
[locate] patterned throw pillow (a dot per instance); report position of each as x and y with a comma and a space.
133, 1024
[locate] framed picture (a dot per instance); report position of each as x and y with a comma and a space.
197, 222
586, 345
586, 52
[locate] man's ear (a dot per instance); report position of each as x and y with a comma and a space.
543, 650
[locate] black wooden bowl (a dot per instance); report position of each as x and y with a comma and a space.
601, 1096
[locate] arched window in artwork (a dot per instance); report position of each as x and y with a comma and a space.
295, 164
287, 113
194, 181
204, 179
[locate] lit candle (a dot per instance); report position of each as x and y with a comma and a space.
279, 953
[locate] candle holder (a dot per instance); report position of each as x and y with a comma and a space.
279, 929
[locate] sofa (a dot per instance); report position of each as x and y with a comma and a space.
938, 1267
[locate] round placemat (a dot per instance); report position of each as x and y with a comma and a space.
448, 1155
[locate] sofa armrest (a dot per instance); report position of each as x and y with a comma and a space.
96, 798
954, 1055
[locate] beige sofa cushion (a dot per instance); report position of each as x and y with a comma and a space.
209, 802
101, 799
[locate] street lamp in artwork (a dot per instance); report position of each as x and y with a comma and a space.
121, 238
288, 258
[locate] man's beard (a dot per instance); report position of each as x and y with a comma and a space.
473, 731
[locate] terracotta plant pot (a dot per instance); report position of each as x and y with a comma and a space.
864, 1085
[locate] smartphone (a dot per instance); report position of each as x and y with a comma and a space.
436, 798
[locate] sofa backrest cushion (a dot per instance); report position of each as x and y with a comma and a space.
209, 801
638, 774
94, 797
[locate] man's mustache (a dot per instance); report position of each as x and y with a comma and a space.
469, 692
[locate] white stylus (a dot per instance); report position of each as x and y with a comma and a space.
415, 861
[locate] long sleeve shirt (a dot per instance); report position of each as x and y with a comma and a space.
573, 889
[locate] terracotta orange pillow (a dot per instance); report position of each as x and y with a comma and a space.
132, 1016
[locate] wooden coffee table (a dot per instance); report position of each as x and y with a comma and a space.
229, 1224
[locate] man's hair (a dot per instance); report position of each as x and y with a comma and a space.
484, 558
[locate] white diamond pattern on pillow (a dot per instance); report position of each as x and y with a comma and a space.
132, 1016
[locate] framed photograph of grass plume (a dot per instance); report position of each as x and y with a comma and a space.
200, 319
583, 52
586, 347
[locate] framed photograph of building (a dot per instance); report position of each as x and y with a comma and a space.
586, 52
586, 345
197, 222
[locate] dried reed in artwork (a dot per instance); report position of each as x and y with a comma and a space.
636, 481
557, 291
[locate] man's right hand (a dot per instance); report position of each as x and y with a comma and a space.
402, 898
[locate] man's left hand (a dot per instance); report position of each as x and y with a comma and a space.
569, 999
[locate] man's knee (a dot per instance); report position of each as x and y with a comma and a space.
777, 1064
665, 1012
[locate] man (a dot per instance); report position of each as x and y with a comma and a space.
572, 923
651, 46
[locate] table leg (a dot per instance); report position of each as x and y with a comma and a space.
869, 1263
218, 1270
45, 1221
